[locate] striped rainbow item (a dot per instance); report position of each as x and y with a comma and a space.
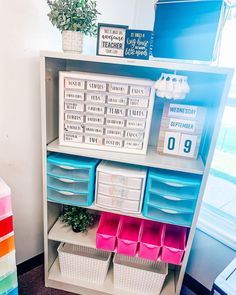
8, 274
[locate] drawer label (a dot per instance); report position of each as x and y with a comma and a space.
74, 83
182, 125
73, 127
138, 102
74, 106
113, 142
184, 111
74, 117
73, 137
96, 86
94, 120
94, 109
133, 144
139, 90
93, 140
75, 95
137, 113
101, 98
94, 130
116, 111
118, 88
136, 124
116, 100
114, 132
115, 122
134, 134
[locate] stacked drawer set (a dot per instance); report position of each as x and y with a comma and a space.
105, 111
8, 275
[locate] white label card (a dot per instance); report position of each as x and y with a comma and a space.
183, 111
96, 86
142, 114
115, 122
73, 137
113, 142
95, 109
73, 127
171, 143
75, 95
71, 83
74, 106
93, 140
94, 120
79, 118
136, 124
118, 88
94, 130
134, 135
133, 144
115, 111
94, 97
114, 132
187, 145
139, 90
138, 102
182, 125
111, 99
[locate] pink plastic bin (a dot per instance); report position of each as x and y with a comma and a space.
5, 206
174, 244
151, 239
129, 235
107, 231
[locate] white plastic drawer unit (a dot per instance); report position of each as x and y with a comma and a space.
105, 112
120, 186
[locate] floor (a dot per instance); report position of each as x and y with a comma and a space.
32, 283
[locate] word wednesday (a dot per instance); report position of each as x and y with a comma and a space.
183, 110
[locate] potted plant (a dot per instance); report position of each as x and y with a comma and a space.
78, 218
74, 18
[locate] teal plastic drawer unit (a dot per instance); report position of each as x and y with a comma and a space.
70, 179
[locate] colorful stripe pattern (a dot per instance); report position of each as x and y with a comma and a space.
8, 274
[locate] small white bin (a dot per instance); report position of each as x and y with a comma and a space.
139, 275
83, 263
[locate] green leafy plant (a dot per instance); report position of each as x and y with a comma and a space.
78, 218
74, 15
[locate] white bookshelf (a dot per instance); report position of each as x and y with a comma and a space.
210, 86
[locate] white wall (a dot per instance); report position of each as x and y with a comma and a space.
25, 31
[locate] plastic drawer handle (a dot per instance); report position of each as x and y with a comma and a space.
107, 237
169, 211
66, 193
172, 198
67, 180
128, 242
174, 184
66, 167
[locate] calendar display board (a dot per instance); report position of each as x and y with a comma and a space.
181, 130
105, 112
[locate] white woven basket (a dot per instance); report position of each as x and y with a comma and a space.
138, 275
72, 41
83, 263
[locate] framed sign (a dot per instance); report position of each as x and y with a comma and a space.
137, 44
181, 130
111, 40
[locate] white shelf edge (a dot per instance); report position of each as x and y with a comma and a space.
151, 159
56, 280
152, 63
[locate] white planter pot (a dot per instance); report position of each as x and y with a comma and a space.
72, 41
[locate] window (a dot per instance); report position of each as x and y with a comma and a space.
218, 212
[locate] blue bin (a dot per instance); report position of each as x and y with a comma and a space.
71, 179
171, 197
13, 292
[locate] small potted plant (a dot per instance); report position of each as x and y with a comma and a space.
74, 18
78, 218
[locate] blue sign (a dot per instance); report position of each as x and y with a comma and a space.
137, 44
